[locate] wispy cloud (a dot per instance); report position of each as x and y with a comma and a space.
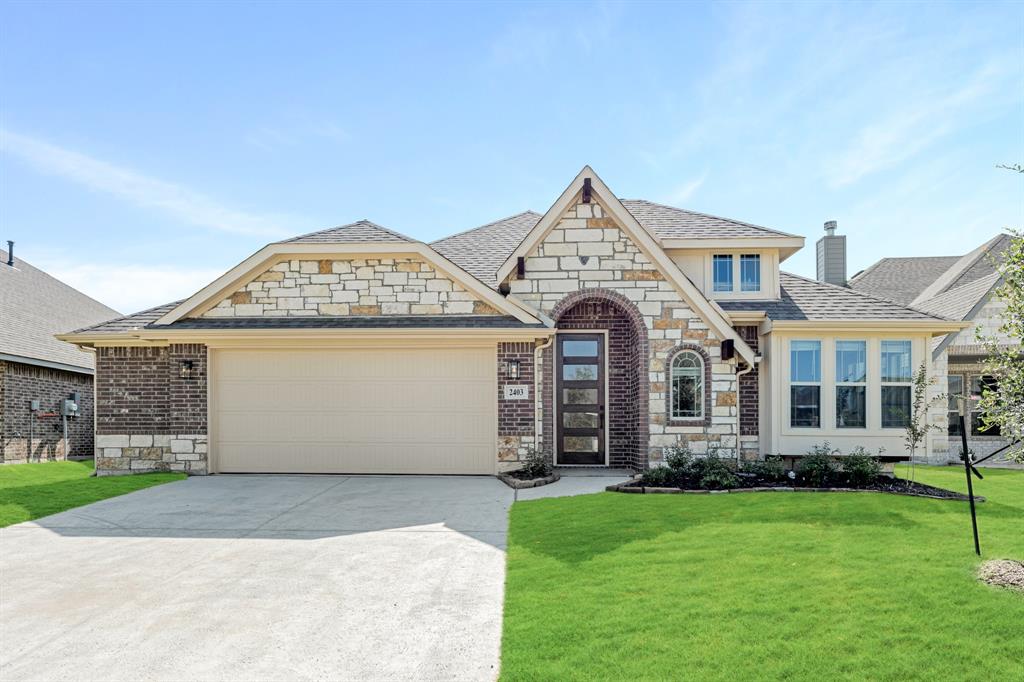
683, 192
537, 35
130, 287
274, 137
176, 200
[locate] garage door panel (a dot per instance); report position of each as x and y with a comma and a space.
355, 411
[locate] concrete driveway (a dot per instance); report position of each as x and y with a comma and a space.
261, 578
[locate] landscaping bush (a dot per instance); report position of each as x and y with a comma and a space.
713, 473
769, 469
818, 467
680, 460
861, 467
659, 477
536, 465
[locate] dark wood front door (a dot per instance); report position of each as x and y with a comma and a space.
580, 396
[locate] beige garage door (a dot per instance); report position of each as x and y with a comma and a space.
394, 411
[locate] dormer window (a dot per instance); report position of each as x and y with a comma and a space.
722, 272
750, 272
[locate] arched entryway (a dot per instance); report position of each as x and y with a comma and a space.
613, 320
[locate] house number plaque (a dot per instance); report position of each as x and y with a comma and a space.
517, 392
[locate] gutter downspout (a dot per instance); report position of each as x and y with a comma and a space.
538, 403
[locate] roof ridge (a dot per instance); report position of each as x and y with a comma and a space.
864, 294
709, 215
361, 221
490, 224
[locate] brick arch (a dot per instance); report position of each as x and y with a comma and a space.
628, 363
669, 359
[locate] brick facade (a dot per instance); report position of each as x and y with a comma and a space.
750, 399
149, 417
19, 385
516, 418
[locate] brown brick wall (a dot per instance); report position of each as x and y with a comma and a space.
139, 390
515, 417
749, 393
20, 384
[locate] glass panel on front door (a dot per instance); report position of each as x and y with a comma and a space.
580, 395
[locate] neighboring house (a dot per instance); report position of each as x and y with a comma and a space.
602, 332
35, 366
960, 288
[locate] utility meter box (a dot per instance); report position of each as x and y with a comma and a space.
69, 408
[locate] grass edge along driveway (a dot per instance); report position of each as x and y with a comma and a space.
31, 491
805, 586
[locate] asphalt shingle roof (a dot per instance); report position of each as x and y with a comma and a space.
482, 250
901, 279
808, 299
669, 222
352, 322
360, 231
34, 306
956, 304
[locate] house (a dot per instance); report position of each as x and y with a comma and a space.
38, 373
960, 288
602, 332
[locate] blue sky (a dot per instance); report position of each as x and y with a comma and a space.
146, 148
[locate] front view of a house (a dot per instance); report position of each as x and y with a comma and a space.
601, 332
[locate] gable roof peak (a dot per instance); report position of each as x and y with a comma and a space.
361, 231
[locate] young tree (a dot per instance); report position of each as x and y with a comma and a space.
917, 427
1002, 404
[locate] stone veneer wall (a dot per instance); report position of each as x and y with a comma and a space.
20, 384
587, 253
364, 286
516, 418
149, 418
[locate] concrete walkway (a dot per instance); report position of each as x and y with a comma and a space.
265, 578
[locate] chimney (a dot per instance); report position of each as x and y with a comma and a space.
10, 253
832, 256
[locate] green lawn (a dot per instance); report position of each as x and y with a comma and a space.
29, 491
805, 586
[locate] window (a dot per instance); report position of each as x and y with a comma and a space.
805, 384
954, 389
722, 269
851, 384
688, 386
896, 379
750, 272
979, 385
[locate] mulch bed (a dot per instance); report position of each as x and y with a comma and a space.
1003, 573
516, 479
893, 486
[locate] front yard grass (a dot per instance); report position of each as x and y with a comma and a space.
30, 491
806, 586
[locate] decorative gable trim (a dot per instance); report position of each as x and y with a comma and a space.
262, 260
712, 314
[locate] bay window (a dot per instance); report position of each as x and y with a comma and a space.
851, 384
897, 376
805, 384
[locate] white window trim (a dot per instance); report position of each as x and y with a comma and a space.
882, 384
765, 261
837, 384
672, 386
819, 383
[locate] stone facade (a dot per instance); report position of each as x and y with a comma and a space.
587, 254
362, 286
119, 454
144, 404
22, 383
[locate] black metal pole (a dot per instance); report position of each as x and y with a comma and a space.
970, 485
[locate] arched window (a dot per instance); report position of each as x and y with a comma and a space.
687, 395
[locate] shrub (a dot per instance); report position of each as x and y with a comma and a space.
680, 460
861, 467
818, 467
658, 477
536, 465
713, 473
769, 469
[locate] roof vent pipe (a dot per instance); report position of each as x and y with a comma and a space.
10, 253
